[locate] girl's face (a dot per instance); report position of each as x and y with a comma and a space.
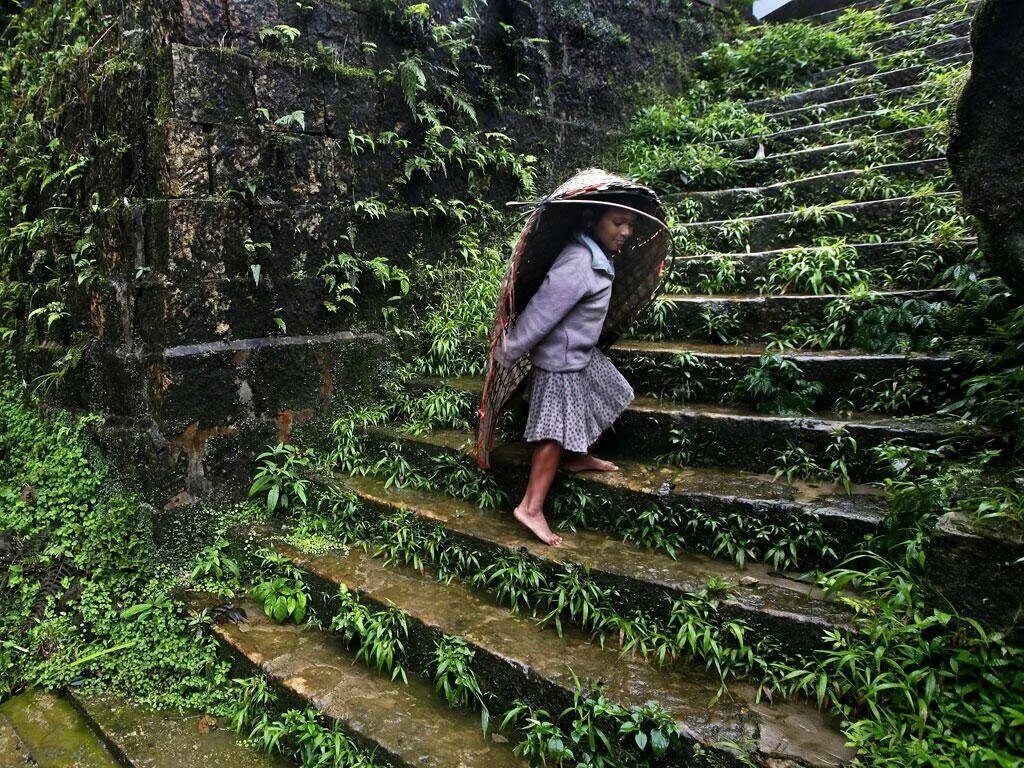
614, 228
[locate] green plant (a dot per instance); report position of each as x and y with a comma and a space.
378, 634
777, 385
215, 571
795, 462
515, 579
454, 677
817, 270
721, 323
283, 592
280, 476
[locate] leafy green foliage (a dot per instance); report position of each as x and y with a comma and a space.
597, 732
283, 591
378, 635
83, 600
777, 385
454, 678
280, 477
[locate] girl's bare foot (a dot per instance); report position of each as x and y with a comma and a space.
538, 524
588, 462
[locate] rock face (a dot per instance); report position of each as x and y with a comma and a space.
986, 148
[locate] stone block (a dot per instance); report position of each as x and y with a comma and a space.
301, 237
197, 239
180, 159
300, 169
211, 85
234, 160
200, 388
199, 22
351, 103
283, 89
337, 26
247, 17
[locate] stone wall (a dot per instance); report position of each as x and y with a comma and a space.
214, 335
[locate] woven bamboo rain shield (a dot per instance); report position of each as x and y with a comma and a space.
548, 229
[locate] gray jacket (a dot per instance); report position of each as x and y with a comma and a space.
562, 322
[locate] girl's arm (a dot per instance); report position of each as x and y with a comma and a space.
565, 284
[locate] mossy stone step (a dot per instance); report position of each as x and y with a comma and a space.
13, 752
915, 10
848, 106
793, 612
910, 143
934, 51
719, 436
877, 81
147, 738
664, 368
802, 226
512, 659
407, 724
801, 135
749, 317
691, 491
53, 732
912, 36
894, 259
784, 195
714, 435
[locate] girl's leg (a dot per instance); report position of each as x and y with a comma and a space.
530, 511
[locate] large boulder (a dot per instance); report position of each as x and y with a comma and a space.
986, 148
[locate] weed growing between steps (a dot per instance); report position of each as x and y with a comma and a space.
85, 605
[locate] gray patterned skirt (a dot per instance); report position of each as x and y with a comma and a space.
575, 407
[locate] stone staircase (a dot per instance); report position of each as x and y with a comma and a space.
693, 452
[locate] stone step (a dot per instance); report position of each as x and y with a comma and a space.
711, 371
826, 17
513, 660
789, 610
144, 737
802, 226
907, 144
932, 51
808, 115
13, 752
874, 82
862, 125
923, 33
737, 437
917, 11
406, 724
741, 317
892, 258
700, 497
50, 733
739, 201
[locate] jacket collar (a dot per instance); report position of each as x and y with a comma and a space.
598, 259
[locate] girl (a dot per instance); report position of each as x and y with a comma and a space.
576, 393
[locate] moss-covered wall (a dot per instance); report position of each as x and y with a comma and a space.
261, 139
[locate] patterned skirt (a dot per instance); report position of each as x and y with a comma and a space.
575, 407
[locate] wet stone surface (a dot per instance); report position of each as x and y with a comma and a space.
524, 660
409, 724
151, 739
54, 733
795, 612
